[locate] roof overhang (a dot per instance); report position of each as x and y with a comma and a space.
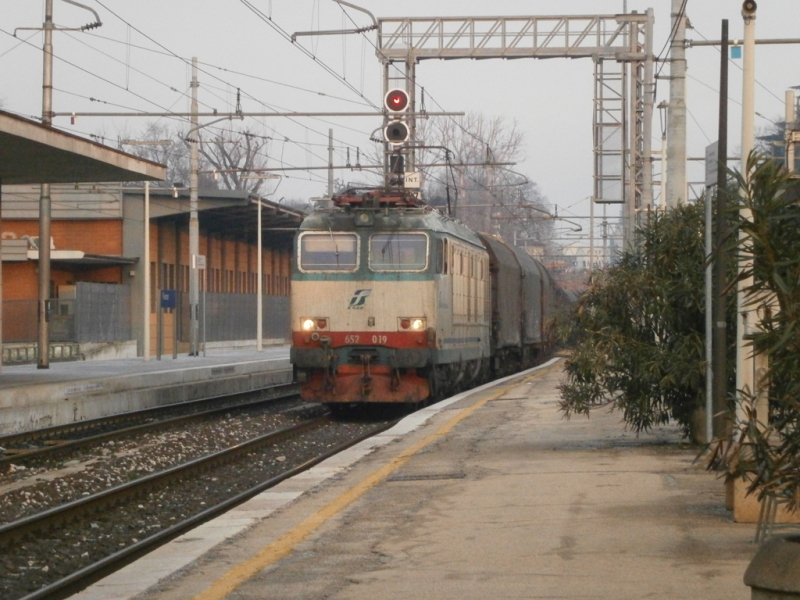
33, 153
77, 258
228, 212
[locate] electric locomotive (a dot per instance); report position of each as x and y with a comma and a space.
391, 301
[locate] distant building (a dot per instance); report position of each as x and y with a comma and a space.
577, 255
97, 240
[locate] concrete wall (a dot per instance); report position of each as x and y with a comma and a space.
27, 407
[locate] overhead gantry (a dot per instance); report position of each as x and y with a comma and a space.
620, 46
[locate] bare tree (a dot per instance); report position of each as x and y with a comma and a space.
164, 144
237, 156
228, 160
487, 197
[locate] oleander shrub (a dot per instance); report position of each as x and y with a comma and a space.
639, 328
765, 449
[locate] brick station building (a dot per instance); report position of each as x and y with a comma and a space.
97, 265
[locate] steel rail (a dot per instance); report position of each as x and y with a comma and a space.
49, 433
91, 573
16, 530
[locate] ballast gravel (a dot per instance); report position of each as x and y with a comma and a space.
35, 563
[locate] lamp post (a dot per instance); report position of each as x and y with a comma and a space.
146, 251
194, 223
746, 379
259, 285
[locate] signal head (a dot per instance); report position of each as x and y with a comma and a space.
396, 100
396, 132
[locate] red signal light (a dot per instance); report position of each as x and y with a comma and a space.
396, 100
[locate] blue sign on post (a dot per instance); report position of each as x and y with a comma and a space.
168, 298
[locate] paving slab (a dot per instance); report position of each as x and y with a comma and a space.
495, 495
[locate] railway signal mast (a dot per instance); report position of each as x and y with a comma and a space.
396, 133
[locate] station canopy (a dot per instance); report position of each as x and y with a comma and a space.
32, 153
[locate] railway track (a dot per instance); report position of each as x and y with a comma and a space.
45, 444
60, 550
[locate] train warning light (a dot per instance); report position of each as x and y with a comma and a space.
396, 100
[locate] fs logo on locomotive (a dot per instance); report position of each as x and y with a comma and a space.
359, 299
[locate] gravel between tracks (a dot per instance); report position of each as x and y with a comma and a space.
33, 564
29, 491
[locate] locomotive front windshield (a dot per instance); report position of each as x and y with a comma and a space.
398, 252
328, 252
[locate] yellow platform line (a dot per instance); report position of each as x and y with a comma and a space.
284, 545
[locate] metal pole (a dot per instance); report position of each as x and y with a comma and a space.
790, 128
591, 234
43, 345
259, 303
663, 202
411, 88
159, 327
709, 331
632, 199
194, 226
330, 174
720, 367
605, 237
676, 117
146, 286
1, 277
386, 148
745, 363
647, 125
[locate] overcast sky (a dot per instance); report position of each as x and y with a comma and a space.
137, 62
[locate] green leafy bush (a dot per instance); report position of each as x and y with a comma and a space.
765, 449
639, 328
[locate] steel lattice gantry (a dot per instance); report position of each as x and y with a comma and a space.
620, 45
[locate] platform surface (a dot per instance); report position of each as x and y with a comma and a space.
27, 375
492, 494
32, 398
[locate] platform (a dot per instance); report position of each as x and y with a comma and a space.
32, 398
491, 494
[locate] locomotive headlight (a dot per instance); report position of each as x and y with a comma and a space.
309, 324
411, 323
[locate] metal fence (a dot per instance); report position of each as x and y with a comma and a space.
230, 317
21, 321
102, 312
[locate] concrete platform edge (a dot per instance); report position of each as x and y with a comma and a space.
137, 578
50, 403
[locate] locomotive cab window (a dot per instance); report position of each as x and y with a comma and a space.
328, 252
398, 252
